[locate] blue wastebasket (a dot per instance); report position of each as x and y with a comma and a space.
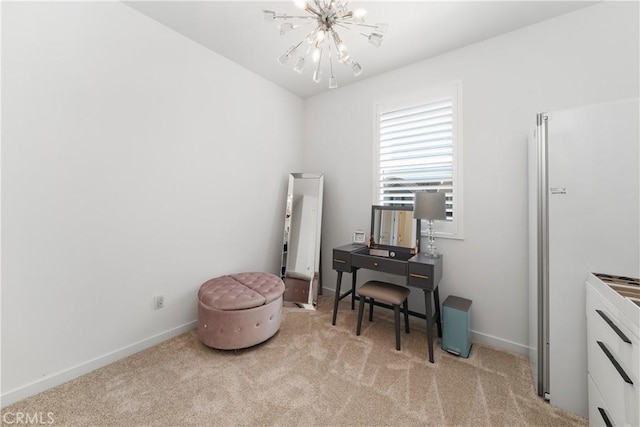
456, 323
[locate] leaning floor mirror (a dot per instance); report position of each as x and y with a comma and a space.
300, 269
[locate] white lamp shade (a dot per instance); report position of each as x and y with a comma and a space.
430, 205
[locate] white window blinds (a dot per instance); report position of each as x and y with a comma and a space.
416, 151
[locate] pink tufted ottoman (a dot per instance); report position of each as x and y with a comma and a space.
239, 310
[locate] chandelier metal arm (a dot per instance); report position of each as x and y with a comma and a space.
312, 10
285, 17
351, 29
330, 59
346, 25
296, 46
312, 32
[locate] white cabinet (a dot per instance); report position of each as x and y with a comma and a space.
613, 358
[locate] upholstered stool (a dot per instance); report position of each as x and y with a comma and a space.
385, 292
239, 310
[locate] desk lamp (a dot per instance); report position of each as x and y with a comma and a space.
430, 206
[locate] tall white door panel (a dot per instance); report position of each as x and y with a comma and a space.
593, 161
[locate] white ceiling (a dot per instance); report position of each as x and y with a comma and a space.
417, 30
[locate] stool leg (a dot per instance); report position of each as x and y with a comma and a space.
353, 288
371, 303
360, 311
405, 305
396, 312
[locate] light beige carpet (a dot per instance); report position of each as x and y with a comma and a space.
309, 373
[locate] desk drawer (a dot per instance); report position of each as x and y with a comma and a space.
385, 265
421, 276
341, 260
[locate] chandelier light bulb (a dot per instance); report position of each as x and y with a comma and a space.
338, 41
357, 69
299, 65
359, 13
282, 59
333, 82
320, 36
317, 74
315, 56
285, 56
343, 55
375, 39
300, 4
358, 16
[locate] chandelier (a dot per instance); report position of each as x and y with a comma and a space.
324, 41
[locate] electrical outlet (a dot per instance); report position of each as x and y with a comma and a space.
158, 302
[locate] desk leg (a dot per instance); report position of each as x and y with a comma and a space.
436, 301
353, 289
429, 315
337, 297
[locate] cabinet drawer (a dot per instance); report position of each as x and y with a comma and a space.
599, 413
613, 382
604, 325
386, 265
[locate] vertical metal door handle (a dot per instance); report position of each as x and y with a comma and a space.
615, 363
613, 326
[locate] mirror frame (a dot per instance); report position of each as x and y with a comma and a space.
409, 208
305, 283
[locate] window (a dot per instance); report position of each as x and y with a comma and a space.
418, 147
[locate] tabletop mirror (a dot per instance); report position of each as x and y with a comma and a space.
300, 268
395, 233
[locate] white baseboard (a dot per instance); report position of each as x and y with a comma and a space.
499, 343
62, 377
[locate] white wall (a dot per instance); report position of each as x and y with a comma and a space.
132, 163
585, 57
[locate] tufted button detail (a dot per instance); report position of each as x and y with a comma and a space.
268, 285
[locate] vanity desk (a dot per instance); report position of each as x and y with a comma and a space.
421, 271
